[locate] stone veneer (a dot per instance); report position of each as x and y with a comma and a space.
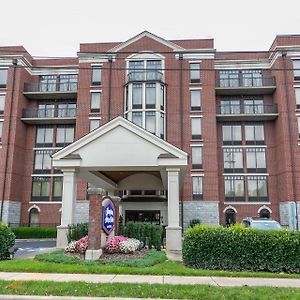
287, 213
82, 211
206, 211
11, 212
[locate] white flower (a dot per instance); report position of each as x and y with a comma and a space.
129, 246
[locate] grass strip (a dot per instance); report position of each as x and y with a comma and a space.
165, 268
47, 288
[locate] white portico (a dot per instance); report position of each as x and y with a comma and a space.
118, 156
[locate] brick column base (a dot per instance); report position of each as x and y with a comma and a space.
95, 223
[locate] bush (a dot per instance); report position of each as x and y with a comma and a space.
34, 232
129, 246
7, 240
77, 231
242, 249
79, 246
149, 234
194, 222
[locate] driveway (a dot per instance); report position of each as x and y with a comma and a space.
31, 247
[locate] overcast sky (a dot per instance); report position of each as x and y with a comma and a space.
57, 27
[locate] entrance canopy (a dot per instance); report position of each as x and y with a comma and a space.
122, 156
119, 150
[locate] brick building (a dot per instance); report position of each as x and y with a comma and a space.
235, 115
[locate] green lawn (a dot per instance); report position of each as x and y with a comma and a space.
145, 290
164, 268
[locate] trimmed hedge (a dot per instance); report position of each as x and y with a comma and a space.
77, 231
7, 240
34, 232
242, 249
149, 234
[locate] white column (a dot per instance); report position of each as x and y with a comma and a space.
173, 230
68, 205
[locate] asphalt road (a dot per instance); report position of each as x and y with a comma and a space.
29, 248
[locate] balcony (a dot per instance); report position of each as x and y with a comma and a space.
49, 116
145, 75
245, 84
247, 112
51, 90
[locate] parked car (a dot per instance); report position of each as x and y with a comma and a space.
262, 223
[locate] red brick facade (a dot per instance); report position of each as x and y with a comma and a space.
281, 132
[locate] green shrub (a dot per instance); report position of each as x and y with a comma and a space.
34, 232
194, 222
77, 231
7, 240
237, 248
149, 234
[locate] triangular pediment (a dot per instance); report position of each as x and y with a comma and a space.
119, 143
150, 35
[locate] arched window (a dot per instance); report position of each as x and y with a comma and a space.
230, 217
264, 213
34, 217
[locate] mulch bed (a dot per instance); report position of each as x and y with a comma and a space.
136, 255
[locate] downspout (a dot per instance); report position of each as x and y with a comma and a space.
284, 55
181, 123
109, 88
14, 63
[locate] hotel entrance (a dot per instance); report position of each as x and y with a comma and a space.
149, 216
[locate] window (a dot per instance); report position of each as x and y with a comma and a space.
2, 103
96, 75
95, 101
296, 64
230, 106
162, 97
40, 189
44, 137
64, 135
42, 161
66, 110
48, 83
196, 157
264, 213
197, 182
1, 130
229, 78
196, 128
194, 72
136, 70
94, 123
162, 125
254, 134
256, 160
233, 160
252, 77
154, 70
298, 120
150, 95
34, 217
67, 83
232, 134
257, 188
195, 100
3, 78
137, 95
297, 93
150, 121
230, 217
57, 188
137, 118
234, 188
254, 106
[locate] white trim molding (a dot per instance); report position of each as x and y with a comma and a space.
34, 206
230, 207
264, 207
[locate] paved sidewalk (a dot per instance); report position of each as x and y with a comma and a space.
189, 280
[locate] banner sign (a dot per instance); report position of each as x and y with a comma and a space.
108, 220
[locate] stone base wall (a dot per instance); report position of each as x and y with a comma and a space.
82, 211
288, 211
11, 213
206, 211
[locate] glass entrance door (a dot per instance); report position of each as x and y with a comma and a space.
149, 216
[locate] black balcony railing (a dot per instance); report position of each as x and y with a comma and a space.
247, 109
49, 113
246, 80
145, 75
51, 87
